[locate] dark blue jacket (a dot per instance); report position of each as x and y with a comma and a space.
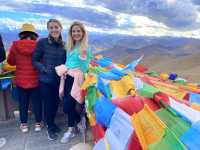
46, 57
2, 51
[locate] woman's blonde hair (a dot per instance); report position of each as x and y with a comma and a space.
84, 41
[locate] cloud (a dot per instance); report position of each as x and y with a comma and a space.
181, 15
131, 17
115, 5
14, 19
174, 13
197, 2
101, 19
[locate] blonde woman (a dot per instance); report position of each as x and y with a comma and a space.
77, 62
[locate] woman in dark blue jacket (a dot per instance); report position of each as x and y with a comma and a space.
2, 58
49, 53
2, 51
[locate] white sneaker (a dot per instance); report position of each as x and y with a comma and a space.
24, 128
67, 136
38, 127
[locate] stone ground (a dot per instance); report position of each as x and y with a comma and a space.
36, 141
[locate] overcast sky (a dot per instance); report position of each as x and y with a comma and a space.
132, 17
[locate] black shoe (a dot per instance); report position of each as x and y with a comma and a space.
56, 129
51, 135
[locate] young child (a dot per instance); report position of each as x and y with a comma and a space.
20, 54
72, 75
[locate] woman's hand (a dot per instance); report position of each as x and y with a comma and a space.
61, 70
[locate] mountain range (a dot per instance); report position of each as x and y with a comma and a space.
162, 54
